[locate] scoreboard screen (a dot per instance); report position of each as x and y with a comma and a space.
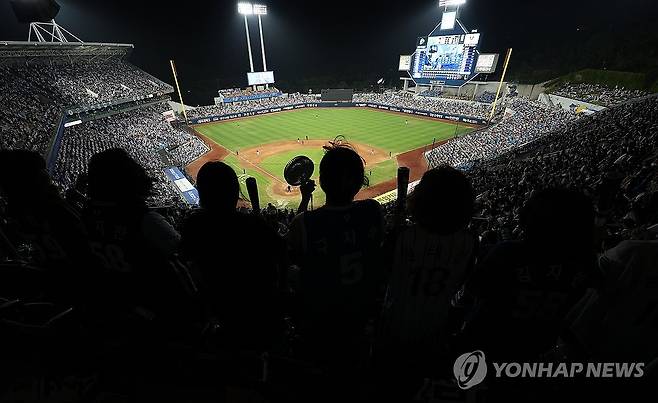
405, 63
445, 57
260, 77
486, 63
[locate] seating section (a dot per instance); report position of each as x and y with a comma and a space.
526, 122
248, 106
31, 110
597, 94
144, 133
438, 105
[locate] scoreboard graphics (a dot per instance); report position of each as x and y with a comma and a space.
448, 55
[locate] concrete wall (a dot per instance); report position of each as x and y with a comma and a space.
566, 103
177, 107
531, 91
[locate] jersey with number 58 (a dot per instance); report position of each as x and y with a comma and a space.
133, 246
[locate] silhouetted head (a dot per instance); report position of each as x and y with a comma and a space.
341, 174
23, 175
218, 187
443, 201
559, 220
115, 177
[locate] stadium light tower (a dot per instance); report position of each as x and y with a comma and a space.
247, 9
261, 10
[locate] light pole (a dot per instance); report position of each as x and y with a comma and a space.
260, 10
247, 9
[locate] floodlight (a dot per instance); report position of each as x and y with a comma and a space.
448, 3
448, 20
260, 9
245, 8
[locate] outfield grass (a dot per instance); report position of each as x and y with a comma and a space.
383, 130
389, 132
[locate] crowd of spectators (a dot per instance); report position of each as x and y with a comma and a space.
246, 92
526, 121
30, 112
597, 94
394, 99
143, 133
435, 92
430, 104
486, 97
88, 84
610, 156
250, 106
35, 96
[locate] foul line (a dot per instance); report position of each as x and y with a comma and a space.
259, 169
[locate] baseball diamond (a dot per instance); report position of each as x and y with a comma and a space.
260, 146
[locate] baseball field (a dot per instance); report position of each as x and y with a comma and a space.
261, 146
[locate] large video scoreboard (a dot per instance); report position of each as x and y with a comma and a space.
447, 56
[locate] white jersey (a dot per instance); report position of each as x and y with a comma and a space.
427, 271
622, 320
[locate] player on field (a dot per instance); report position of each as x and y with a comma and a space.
337, 248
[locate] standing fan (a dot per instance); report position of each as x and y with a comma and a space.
298, 170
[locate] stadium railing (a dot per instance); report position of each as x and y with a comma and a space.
51, 157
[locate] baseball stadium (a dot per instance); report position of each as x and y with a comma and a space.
427, 201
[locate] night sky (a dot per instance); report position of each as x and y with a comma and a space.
343, 42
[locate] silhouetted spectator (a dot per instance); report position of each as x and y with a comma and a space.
619, 321
134, 244
238, 258
523, 289
338, 250
41, 223
430, 261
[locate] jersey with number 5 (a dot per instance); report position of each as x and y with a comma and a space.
340, 267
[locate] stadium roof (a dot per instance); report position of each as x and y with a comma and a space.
15, 49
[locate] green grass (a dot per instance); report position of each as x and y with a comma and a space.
394, 133
276, 163
386, 131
